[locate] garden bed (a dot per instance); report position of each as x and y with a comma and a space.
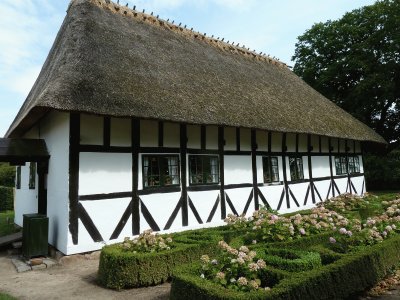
320, 254
352, 273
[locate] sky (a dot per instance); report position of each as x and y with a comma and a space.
29, 27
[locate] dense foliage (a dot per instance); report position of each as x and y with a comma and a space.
355, 62
382, 172
7, 175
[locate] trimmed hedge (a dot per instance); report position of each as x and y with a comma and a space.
187, 284
119, 268
346, 276
291, 260
6, 198
124, 269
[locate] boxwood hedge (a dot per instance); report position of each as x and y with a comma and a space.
290, 260
348, 275
119, 268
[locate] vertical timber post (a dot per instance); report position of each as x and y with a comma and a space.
221, 143
74, 137
309, 149
183, 151
135, 210
254, 167
330, 166
284, 148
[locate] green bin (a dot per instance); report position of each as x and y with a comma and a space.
35, 234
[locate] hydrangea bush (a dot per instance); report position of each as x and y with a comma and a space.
269, 227
148, 241
372, 231
236, 269
345, 202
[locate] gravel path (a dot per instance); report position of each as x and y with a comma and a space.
75, 279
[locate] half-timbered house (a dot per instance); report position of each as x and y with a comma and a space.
146, 124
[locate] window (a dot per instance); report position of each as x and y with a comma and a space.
32, 175
18, 178
203, 169
160, 170
352, 165
340, 165
270, 169
296, 168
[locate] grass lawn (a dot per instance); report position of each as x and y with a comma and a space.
7, 224
6, 297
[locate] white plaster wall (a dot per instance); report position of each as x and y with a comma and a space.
358, 184
101, 210
91, 129
245, 139
320, 166
303, 142
230, 138
291, 142
211, 137
194, 136
239, 199
26, 199
358, 146
32, 133
104, 173
171, 135
238, 169
120, 132
204, 202
262, 140
276, 142
148, 133
341, 184
323, 188
299, 190
324, 144
272, 194
161, 207
260, 171
315, 143
334, 144
55, 130
342, 145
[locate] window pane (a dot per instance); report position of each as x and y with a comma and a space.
296, 168
267, 169
32, 175
203, 169
356, 164
300, 174
18, 178
151, 171
274, 169
293, 168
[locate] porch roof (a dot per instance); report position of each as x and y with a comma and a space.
17, 151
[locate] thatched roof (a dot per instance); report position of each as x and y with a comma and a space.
110, 60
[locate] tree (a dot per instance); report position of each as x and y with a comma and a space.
355, 62
7, 175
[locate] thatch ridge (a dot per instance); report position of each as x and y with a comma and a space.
106, 62
156, 21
